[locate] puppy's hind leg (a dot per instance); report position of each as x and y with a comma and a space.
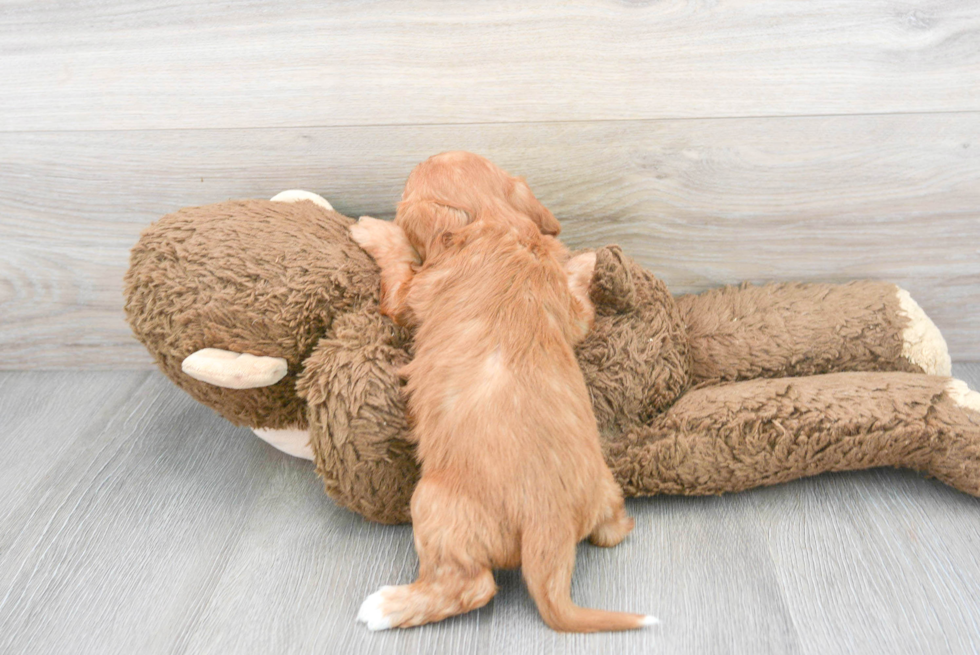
451, 579
431, 598
614, 524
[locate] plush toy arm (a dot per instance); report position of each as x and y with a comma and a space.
740, 435
356, 415
777, 330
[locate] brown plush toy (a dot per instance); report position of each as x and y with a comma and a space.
267, 312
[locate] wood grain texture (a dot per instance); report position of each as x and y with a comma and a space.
134, 520
700, 202
142, 64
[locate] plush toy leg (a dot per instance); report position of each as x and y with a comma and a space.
740, 435
777, 330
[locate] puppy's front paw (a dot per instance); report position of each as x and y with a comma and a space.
384, 241
370, 234
372, 611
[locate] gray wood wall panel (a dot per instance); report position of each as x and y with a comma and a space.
700, 202
140, 64
134, 520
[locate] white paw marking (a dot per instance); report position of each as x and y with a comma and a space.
371, 613
295, 195
924, 345
649, 620
963, 395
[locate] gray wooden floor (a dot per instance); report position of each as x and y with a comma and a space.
133, 520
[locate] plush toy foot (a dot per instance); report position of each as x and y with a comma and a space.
295, 195
292, 441
924, 345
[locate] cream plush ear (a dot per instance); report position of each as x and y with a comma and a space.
295, 195
231, 370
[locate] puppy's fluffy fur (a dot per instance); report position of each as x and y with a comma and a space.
512, 471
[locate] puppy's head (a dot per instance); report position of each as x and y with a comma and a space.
451, 190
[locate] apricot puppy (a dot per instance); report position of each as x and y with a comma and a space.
512, 471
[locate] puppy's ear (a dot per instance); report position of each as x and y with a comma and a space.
425, 221
524, 201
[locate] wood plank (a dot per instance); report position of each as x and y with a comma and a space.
35, 434
326, 567
905, 549
904, 545
115, 545
143, 65
701, 203
161, 528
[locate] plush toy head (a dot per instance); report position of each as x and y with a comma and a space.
259, 277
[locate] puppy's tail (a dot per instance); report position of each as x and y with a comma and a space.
547, 561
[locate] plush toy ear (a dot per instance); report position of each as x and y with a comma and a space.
612, 287
231, 370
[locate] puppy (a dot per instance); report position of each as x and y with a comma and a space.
442, 194
512, 471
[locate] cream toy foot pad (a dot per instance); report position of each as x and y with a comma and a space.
924, 345
963, 395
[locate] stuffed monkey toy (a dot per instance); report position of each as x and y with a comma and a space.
267, 312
